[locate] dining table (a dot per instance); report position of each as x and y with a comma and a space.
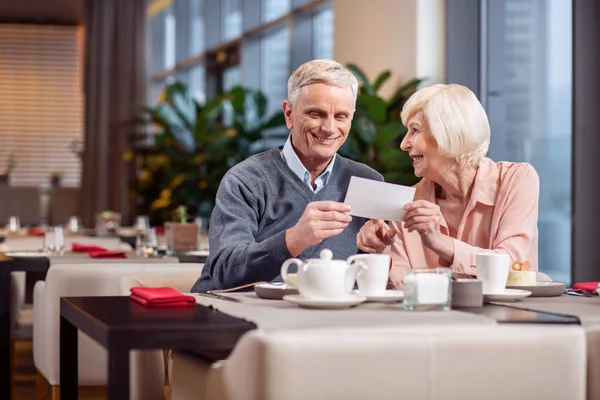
40, 264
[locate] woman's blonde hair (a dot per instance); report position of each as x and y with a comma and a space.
320, 71
455, 118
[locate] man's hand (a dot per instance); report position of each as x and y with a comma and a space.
320, 220
375, 236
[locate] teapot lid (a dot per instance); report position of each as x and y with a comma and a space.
326, 254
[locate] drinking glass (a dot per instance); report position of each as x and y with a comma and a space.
202, 233
74, 225
54, 241
142, 222
427, 289
146, 243
14, 224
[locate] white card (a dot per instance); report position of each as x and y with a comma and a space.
378, 200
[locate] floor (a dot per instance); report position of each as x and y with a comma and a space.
24, 381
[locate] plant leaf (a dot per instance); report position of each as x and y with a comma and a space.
376, 106
384, 76
360, 75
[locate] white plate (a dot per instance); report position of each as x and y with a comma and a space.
26, 254
543, 289
508, 295
197, 253
273, 291
306, 302
390, 296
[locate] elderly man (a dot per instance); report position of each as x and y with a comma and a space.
288, 203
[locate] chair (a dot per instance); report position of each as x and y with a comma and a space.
24, 202
87, 280
510, 361
63, 203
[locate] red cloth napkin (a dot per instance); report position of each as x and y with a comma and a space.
86, 248
161, 297
107, 254
587, 286
35, 232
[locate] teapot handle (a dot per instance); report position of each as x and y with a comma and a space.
286, 264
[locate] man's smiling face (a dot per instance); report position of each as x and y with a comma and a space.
319, 121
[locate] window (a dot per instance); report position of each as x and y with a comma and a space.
41, 109
528, 100
196, 27
196, 83
231, 22
273, 9
275, 67
323, 33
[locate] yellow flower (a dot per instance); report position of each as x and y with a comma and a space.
230, 132
127, 156
178, 180
165, 194
203, 185
160, 203
145, 176
157, 161
198, 159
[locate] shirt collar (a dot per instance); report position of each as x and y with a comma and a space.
484, 188
292, 161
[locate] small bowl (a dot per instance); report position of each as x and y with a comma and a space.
467, 293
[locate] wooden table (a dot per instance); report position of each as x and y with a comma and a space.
6, 267
40, 266
120, 325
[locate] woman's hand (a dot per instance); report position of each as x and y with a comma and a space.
424, 217
375, 236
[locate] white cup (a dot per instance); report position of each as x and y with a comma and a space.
373, 279
492, 271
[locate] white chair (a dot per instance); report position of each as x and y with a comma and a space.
87, 280
488, 362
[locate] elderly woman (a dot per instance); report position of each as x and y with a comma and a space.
466, 203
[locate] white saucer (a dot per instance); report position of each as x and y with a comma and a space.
26, 254
197, 253
508, 295
390, 296
305, 302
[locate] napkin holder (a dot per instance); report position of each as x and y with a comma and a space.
467, 293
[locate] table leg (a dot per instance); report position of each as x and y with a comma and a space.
69, 369
118, 372
5, 383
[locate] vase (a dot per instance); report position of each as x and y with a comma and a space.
181, 237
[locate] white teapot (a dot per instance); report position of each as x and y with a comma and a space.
322, 277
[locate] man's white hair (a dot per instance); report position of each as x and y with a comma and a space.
320, 71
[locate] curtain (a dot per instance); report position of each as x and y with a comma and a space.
114, 86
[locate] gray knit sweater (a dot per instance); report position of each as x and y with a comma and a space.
257, 201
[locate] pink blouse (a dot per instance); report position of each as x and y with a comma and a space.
501, 216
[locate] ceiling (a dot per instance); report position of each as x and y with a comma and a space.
59, 12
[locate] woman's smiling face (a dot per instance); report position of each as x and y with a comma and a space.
319, 121
421, 146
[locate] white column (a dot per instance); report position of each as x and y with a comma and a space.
405, 36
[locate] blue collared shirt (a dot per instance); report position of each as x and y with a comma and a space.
292, 160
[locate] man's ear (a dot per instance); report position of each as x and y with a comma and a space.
287, 112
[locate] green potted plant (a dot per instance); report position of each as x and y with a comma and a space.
181, 234
377, 129
191, 146
56, 178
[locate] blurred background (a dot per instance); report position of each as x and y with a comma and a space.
141, 106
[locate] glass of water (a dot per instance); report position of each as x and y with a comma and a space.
54, 241
14, 224
146, 243
142, 222
74, 225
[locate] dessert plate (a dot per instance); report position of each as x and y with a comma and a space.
273, 291
508, 295
390, 296
316, 303
543, 289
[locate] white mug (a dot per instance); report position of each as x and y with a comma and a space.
492, 271
373, 279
